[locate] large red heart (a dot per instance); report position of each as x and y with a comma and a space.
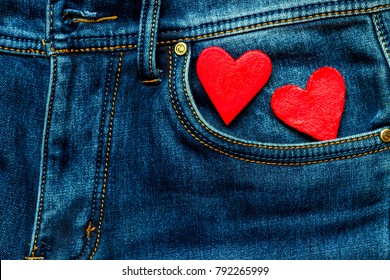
315, 111
232, 84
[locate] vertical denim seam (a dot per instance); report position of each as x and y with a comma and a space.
45, 147
51, 16
47, 41
141, 35
152, 40
380, 31
100, 151
107, 158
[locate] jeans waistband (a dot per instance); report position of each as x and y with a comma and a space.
45, 27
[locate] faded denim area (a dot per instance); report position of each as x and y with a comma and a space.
96, 164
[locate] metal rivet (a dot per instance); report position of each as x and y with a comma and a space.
181, 48
385, 135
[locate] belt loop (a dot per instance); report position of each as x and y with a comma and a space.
147, 41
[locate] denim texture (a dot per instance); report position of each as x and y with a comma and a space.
95, 164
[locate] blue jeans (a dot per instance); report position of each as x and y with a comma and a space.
111, 148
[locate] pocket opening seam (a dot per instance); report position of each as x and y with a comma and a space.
275, 147
241, 157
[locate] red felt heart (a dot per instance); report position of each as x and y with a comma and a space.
315, 111
232, 84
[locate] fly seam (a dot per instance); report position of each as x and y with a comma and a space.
100, 152
102, 121
45, 153
107, 157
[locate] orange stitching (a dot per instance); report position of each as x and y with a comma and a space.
382, 39
105, 175
22, 50
51, 15
204, 36
94, 20
253, 26
89, 229
45, 155
150, 81
91, 49
152, 38
33, 257
246, 159
260, 145
244, 28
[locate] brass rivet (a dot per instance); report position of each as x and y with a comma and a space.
385, 135
181, 48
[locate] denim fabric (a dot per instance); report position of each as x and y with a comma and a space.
95, 164
147, 42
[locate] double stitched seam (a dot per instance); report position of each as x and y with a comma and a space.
203, 36
211, 146
321, 6
100, 151
224, 32
382, 37
283, 21
14, 39
92, 49
142, 35
22, 50
107, 158
101, 37
260, 145
17, 39
152, 40
45, 151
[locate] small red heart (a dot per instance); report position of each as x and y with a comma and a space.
315, 111
232, 84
